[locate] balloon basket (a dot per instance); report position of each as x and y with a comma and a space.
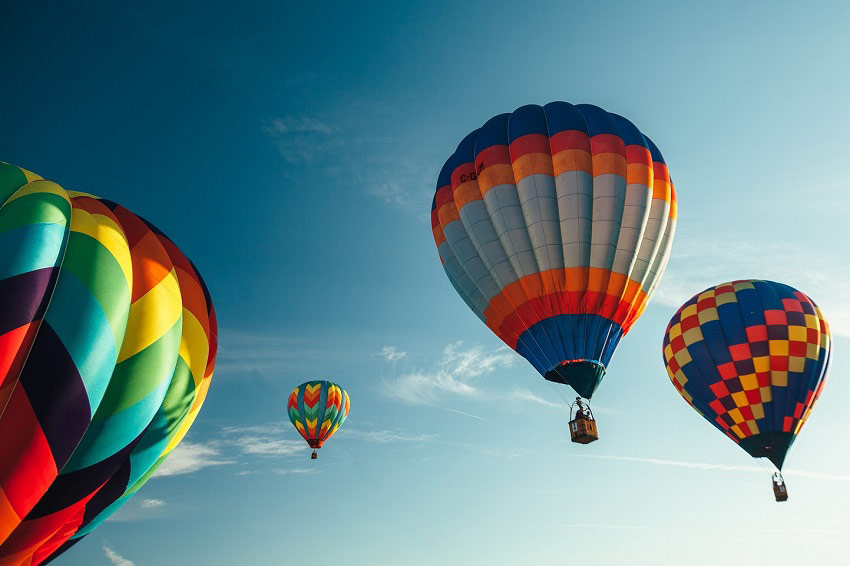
314, 455
583, 426
780, 491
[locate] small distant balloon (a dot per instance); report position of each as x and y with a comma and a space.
317, 409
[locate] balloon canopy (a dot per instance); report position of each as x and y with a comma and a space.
107, 347
554, 224
751, 357
317, 409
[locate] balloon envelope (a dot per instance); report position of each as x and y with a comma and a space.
317, 409
554, 224
107, 347
751, 357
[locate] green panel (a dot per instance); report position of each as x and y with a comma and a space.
38, 207
90, 261
136, 377
11, 179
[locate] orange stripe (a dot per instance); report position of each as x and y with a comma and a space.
466, 193
572, 160
448, 213
639, 173
533, 164
494, 175
661, 189
606, 163
439, 236
674, 204
565, 291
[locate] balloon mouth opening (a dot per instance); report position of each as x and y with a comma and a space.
771, 445
582, 375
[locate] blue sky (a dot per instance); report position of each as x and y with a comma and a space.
292, 150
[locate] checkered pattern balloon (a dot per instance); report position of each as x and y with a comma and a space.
751, 357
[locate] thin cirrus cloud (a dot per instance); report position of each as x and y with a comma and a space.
151, 503
696, 265
115, 558
383, 168
392, 354
718, 467
455, 372
190, 457
243, 354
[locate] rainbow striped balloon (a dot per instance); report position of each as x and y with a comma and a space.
554, 225
107, 347
317, 409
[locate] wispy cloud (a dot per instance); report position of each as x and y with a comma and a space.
296, 125
233, 445
386, 436
189, 457
296, 471
116, 558
151, 503
524, 395
719, 467
298, 139
260, 446
700, 528
698, 264
244, 354
455, 373
392, 354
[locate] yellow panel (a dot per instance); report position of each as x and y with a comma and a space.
758, 410
39, 187
766, 394
194, 348
707, 315
675, 331
812, 351
796, 363
762, 364
797, 333
779, 378
736, 415
740, 399
778, 347
683, 356
689, 310
749, 382
108, 234
151, 316
725, 298
707, 294
693, 335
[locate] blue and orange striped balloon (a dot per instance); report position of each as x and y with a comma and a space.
107, 347
554, 224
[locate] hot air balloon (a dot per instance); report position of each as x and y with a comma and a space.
107, 347
554, 225
751, 357
317, 409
